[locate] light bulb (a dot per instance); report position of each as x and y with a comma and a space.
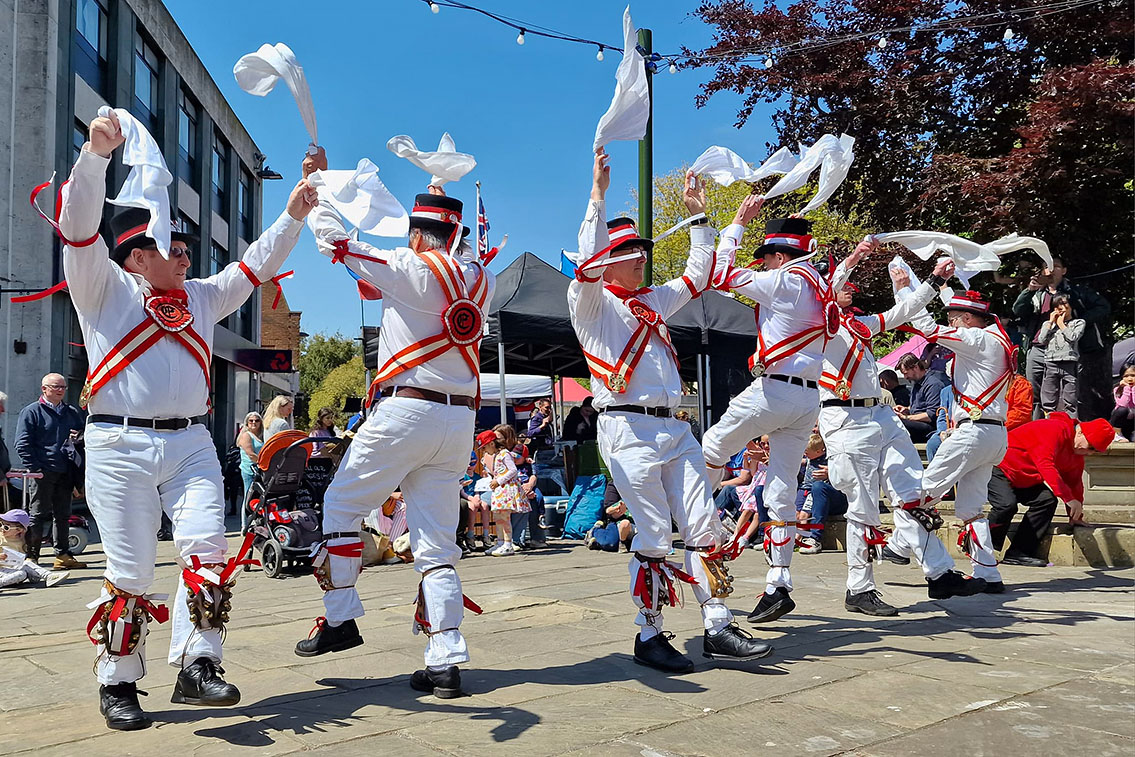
882, 42
673, 67
599, 55
435, 7
768, 62
1008, 34
520, 38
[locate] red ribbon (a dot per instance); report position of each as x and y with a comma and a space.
55, 221
41, 295
320, 622
279, 287
470, 605
160, 613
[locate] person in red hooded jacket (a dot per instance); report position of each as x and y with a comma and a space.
1044, 463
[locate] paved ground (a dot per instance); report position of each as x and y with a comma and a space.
1045, 669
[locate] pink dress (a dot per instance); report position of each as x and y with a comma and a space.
748, 493
506, 495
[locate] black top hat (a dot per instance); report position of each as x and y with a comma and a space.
623, 233
128, 231
791, 236
969, 302
437, 213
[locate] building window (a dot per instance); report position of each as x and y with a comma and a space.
145, 83
220, 172
187, 138
78, 139
244, 318
188, 227
90, 43
245, 205
218, 258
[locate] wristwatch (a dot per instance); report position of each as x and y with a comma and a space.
935, 281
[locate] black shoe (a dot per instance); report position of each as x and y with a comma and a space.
954, 584
657, 652
201, 684
891, 556
772, 606
327, 638
732, 643
1028, 561
868, 603
443, 684
118, 703
993, 587
165, 535
537, 544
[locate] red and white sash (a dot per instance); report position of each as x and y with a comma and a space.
617, 376
167, 314
766, 355
1000, 386
462, 323
839, 383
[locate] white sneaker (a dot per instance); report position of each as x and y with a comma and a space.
810, 546
56, 576
504, 550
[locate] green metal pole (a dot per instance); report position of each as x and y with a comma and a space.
646, 164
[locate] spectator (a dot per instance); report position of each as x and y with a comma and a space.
751, 496
1123, 417
925, 397
695, 427
580, 424
944, 423
936, 356
728, 500
46, 433
541, 430
527, 532
501, 471
249, 440
889, 381
823, 499
615, 525
5, 457
1020, 401
324, 426
278, 416
15, 566
1059, 337
1044, 463
1033, 309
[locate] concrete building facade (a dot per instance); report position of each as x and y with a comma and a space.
60, 60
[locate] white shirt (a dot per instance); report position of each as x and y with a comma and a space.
788, 306
604, 324
165, 381
865, 382
980, 360
412, 305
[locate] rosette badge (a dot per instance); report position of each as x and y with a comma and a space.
463, 322
171, 313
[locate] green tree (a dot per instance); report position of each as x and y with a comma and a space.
343, 381
319, 355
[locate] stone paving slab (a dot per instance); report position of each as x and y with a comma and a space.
1045, 666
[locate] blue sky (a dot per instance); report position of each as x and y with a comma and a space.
527, 113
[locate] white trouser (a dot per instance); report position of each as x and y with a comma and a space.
423, 447
868, 447
133, 475
966, 459
658, 468
787, 413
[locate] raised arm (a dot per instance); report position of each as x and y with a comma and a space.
907, 308
669, 298
585, 293
756, 285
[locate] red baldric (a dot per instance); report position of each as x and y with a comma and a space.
765, 356
462, 323
839, 383
616, 377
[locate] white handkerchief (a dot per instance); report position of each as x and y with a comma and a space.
629, 111
833, 154
1016, 242
147, 185
443, 165
725, 166
258, 73
362, 198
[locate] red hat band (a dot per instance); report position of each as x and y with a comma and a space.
431, 213
621, 233
130, 233
799, 241
968, 300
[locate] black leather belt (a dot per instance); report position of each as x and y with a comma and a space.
866, 402
157, 424
792, 380
657, 412
982, 421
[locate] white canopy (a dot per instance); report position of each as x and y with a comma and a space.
517, 387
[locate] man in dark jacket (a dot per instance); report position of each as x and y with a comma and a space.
1032, 310
5, 458
925, 397
45, 441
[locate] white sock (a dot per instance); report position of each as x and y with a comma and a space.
334, 623
647, 633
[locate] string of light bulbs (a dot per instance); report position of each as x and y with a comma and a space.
768, 55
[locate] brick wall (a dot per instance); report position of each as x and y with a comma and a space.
279, 328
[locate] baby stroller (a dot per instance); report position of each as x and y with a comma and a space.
285, 499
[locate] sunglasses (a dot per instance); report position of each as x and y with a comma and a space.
175, 253
10, 526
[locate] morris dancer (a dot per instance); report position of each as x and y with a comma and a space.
149, 335
983, 367
867, 444
418, 431
795, 315
654, 460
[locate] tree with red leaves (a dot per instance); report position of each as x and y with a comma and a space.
957, 128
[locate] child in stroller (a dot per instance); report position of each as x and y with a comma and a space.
285, 499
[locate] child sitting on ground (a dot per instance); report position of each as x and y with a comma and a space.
821, 498
751, 495
15, 567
